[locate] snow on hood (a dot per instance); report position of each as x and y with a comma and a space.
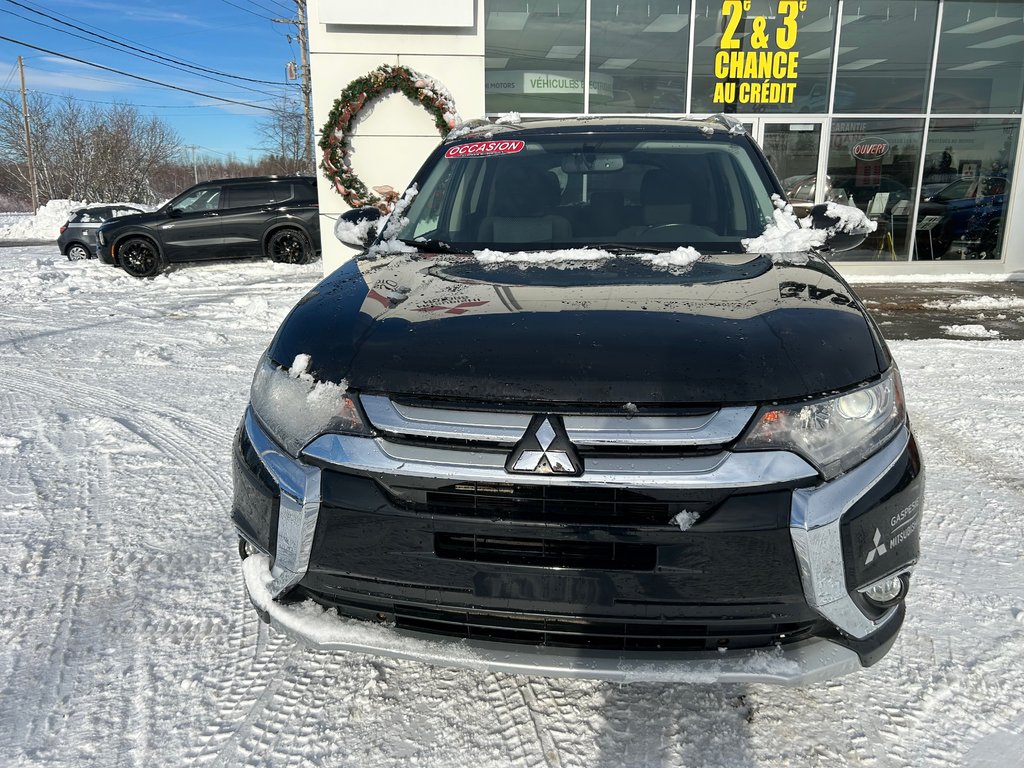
681, 258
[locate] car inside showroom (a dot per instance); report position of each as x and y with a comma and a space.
909, 111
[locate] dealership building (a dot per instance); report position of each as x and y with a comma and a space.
908, 109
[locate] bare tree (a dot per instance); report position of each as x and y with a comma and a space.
84, 153
14, 173
283, 137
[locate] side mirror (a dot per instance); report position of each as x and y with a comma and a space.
847, 228
175, 213
356, 228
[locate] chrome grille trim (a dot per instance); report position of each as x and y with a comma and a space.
380, 458
715, 428
417, 421
710, 429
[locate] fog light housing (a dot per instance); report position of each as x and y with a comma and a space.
888, 591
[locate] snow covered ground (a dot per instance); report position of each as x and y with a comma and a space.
125, 639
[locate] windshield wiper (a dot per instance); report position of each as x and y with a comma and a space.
620, 249
432, 246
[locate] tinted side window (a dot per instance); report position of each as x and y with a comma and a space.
304, 189
202, 199
92, 216
250, 195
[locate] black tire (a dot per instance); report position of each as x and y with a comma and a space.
289, 246
77, 252
140, 257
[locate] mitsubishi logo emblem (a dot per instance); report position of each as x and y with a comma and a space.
545, 449
879, 548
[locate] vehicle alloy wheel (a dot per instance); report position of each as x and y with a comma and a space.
77, 252
289, 246
139, 258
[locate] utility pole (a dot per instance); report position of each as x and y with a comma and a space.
307, 88
195, 167
28, 140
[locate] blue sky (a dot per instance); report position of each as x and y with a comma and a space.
235, 37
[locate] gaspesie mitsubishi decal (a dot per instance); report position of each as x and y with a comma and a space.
481, 148
902, 525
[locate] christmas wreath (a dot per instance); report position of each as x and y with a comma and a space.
336, 141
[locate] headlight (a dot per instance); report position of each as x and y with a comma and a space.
295, 408
837, 433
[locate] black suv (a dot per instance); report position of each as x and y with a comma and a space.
569, 415
273, 216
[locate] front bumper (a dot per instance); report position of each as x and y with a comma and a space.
798, 664
104, 254
833, 527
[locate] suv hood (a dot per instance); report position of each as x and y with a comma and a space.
728, 329
135, 218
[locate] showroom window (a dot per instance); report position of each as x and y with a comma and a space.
873, 165
981, 58
885, 56
534, 56
811, 34
968, 169
906, 109
638, 56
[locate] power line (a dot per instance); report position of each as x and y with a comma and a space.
281, 7
140, 56
10, 76
122, 103
85, 26
136, 77
110, 84
247, 10
141, 52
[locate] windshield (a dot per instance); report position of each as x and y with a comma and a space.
570, 192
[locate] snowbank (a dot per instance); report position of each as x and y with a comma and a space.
45, 224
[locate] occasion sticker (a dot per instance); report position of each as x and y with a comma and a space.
477, 148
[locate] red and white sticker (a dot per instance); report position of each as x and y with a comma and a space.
478, 148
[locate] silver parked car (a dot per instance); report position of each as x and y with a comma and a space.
77, 238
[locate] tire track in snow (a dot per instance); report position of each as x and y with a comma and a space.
252, 675
513, 718
82, 618
549, 751
148, 422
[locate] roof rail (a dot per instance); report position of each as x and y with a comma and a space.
466, 127
727, 121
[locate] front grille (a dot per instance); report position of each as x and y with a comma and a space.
509, 502
562, 631
550, 553
569, 632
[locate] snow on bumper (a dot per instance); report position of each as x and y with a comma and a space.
311, 624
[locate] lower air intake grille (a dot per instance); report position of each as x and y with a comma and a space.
552, 553
557, 504
566, 632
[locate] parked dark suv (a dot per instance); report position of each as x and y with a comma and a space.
569, 415
273, 216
